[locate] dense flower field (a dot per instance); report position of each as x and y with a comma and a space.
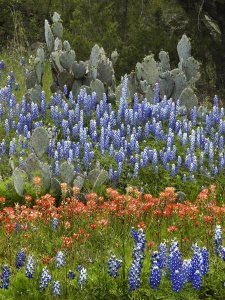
129, 138
113, 246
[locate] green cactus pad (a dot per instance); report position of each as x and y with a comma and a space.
66, 59
39, 141
46, 176
188, 99
66, 172
49, 38
78, 182
166, 84
164, 64
18, 179
149, 94
57, 30
39, 69
56, 62
98, 87
191, 70
180, 82
184, 48
32, 163
76, 88
97, 177
148, 70
78, 69
105, 71
35, 93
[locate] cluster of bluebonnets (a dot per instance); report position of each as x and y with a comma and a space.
132, 134
167, 262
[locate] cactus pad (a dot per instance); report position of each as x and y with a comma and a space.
66, 172
18, 179
97, 177
39, 141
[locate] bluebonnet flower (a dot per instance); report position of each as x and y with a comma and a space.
59, 260
30, 267
82, 276
56, 288
205, 262
177, 279
138, 257
55, 224
114, 264
20, 259
6, 128
174, 260
186, 270
45, 279
70, 274
196, 280
162, 255
155, 276
5, 277
217, 239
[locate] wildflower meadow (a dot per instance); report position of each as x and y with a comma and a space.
104, 193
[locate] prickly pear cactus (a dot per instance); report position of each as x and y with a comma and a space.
49, 38
78, 69
98, 87
78, 182
67, 57
188, 99
76, 87
39, 141
164, 64
191, 69
97, 177
96, 53
18, 179
149, 94
180, 83
105, 71
184, 48
32, 163
148, 70
46, 176
166, 84
66, 172
35, 93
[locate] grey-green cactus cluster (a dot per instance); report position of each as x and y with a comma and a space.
35, 166
177, 83
96, 74
35, 76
